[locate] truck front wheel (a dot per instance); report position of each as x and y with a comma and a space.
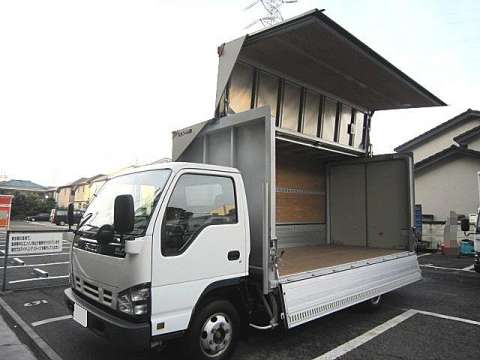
214, 331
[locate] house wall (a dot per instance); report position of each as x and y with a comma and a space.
82, 196
64, 198
443, 141
448, 185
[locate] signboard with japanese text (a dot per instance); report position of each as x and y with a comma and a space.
34, 243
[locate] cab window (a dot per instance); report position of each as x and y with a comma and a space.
198, 201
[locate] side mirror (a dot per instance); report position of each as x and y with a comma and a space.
465, 224
70, 215
105, 234
123, 214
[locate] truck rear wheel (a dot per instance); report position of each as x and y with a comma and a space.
373, 303
214, 331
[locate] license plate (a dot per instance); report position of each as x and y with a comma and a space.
80, 315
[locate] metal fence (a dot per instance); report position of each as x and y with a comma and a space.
34, 259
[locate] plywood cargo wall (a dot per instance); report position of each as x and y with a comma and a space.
300, 195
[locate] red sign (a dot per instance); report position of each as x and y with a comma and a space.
5, 207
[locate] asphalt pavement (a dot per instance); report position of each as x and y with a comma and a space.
435, 318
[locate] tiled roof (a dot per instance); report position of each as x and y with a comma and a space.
76, 182
444, 154
466, 115
26, 185
467, 136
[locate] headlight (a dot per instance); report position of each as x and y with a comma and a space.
134, 301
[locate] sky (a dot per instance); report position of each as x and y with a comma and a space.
88, 87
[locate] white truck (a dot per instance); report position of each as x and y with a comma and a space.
272, 214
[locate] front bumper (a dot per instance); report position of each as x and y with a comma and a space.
120, 332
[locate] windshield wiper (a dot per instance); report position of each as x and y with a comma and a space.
87, 216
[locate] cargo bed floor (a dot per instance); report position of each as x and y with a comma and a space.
306, 258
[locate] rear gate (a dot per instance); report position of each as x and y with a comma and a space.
374, 197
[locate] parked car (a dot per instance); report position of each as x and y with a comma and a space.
38, 217
59, 216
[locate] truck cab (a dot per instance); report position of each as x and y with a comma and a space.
190, 234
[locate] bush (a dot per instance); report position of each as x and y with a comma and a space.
27, 204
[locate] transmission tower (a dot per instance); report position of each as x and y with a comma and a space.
272, 7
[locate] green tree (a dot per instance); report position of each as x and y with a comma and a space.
27, 204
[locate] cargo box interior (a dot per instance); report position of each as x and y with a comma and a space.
352, 223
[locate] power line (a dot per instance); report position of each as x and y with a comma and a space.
272, 9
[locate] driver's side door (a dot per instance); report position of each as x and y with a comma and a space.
200, 239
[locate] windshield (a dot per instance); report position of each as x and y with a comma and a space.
145, 187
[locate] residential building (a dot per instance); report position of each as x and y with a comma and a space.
81, 191
81, 195
9, 187
84, 191
447, 159
66, 193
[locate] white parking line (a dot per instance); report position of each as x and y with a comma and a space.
369, 335
36, 265
431, 266
47, 321
49, 254
65, 243
419, 256
39, 278
468, 268
467, 321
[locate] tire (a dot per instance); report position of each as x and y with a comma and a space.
373, 304
214, 332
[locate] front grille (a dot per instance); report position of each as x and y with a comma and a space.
91, 289
94, 292
88, 243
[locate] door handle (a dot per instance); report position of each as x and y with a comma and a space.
233, 255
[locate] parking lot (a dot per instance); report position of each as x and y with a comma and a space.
436, 318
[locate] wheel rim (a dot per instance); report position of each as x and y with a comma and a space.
216, 335
376, 300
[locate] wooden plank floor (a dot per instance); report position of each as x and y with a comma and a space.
305, 258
